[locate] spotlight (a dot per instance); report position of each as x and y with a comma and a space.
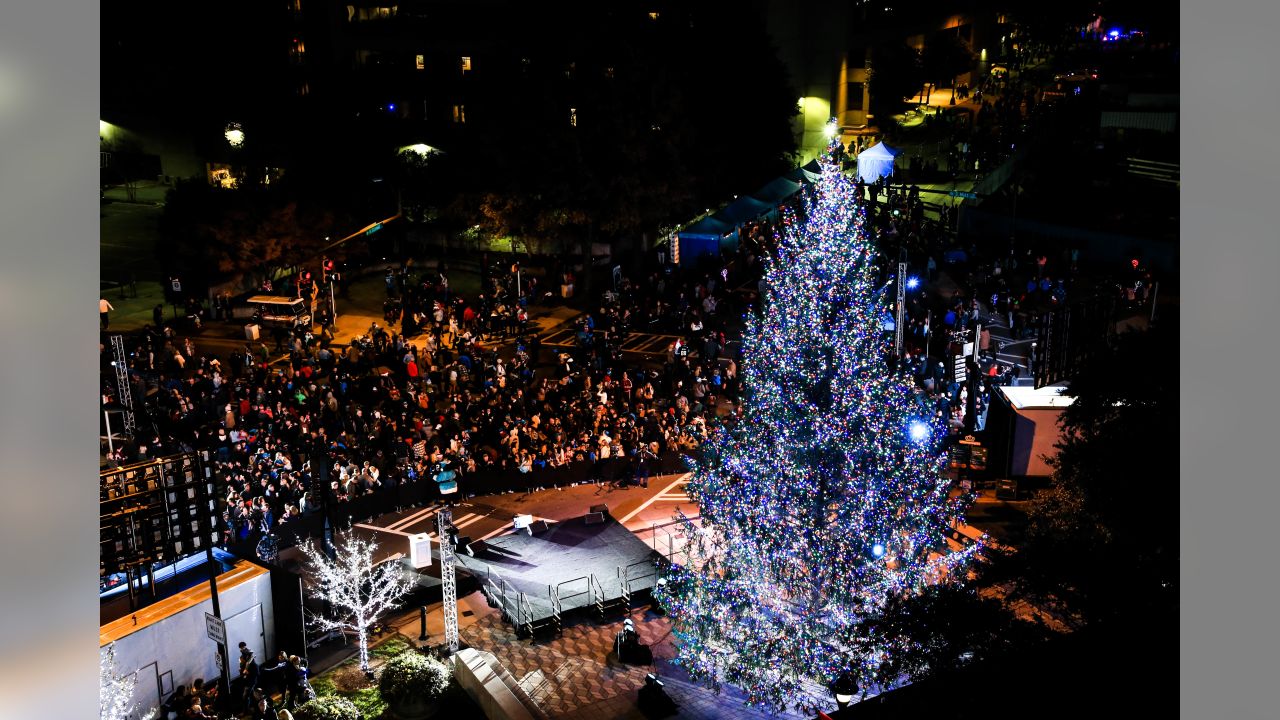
877, 550
913, 283
919, 431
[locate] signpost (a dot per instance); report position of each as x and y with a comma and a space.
215, 628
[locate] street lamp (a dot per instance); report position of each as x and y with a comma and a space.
844, 688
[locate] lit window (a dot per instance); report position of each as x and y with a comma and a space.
420, 62
297, 51
466, 65
608, 72
573, 117
368, 14
459, 114
653, 16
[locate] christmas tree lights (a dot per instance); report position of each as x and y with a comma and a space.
828, 498
357, 590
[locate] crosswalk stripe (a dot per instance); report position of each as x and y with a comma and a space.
463, 522
380, 529
411, 519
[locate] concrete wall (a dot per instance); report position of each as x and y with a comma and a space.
176, 649
1035, 437
493, 689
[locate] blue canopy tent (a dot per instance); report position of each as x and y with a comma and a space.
776, 192
876, 162
744, 209
700, 238
807, 174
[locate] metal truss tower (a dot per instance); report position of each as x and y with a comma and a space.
444, 520
122, 384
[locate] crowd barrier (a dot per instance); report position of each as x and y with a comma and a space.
424, 491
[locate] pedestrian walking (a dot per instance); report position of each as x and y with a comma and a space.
104, 307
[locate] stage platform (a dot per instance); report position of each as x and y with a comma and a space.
536, 578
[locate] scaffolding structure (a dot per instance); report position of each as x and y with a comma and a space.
123, 389
444, 520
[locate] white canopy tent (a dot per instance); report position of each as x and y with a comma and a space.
876, 162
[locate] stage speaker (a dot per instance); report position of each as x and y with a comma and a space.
464, 543
537, 527
594, 518
601, 508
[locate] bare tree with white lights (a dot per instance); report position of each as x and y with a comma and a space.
357, 590
115, 692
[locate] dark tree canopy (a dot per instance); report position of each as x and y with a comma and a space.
896, 73
1103, 537
626, 123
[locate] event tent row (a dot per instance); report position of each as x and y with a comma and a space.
718, 231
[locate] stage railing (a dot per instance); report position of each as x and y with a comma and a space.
558, 598
597, 591
665, 544
514, 604
647, 569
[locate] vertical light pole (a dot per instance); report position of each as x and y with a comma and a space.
901, 309
212, 564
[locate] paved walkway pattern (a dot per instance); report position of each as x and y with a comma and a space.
577, 677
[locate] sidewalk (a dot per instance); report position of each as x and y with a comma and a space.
147, 192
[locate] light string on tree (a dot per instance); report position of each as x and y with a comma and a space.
828, 497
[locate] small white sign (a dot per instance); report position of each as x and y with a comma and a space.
216, 629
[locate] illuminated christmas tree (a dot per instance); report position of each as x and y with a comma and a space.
828, 498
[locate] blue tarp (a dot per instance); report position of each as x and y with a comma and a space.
876, 162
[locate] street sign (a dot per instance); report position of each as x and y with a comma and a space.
177, 285
216, 629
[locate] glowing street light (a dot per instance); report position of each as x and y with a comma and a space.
234, 135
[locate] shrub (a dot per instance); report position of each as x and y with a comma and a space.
330, 707
413, 675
